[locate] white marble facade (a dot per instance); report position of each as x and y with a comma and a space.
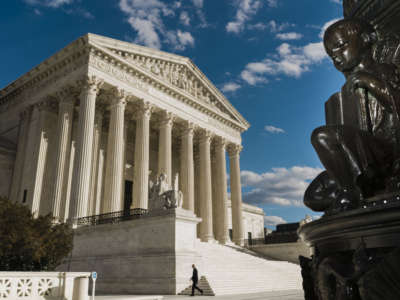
95, 121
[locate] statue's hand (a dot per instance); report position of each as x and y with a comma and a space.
364, 80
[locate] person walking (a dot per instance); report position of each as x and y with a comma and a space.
195, 280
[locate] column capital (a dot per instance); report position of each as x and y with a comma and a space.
220, 143
234, 149
47, 104
116, 96
167, 119
144, 108
90, 83
67, 94
188, 128
205, 136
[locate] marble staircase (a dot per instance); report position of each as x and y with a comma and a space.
234, 270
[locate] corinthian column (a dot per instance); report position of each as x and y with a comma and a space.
187, 167
96, 163
115, 154
84, 144
37, 145
165, 146
64, 129
19, 160
206, 226
141, 162
236, 194
221, 193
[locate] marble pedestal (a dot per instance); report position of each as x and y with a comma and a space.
150, 255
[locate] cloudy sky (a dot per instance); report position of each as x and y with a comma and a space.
266, 56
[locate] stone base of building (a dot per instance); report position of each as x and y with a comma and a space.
150, 255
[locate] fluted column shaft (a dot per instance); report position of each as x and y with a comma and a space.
236, 194
187, 168
165, 147
84, 144
115, 155
64, 129
206, 226
98, 125
39, 145
19, 160
221, 193
196, 158
65, 205
141, 163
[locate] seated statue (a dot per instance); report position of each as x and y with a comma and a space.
162, 196
359, 145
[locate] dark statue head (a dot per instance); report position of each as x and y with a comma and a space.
348, 42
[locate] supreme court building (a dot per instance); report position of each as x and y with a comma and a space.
96, 121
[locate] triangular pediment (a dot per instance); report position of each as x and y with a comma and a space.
169, 69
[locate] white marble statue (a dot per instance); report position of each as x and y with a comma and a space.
162, 195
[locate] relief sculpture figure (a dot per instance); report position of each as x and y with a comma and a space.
162, 196
359, 145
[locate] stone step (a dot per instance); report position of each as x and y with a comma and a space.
203, 285
233, 270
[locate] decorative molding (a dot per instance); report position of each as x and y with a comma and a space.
205, 136
43, 76
167, 119
234, 149
90, 84
220, 143
140, 77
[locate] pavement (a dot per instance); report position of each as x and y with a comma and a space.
281, 295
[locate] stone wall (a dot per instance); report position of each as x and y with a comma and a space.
285, 251
152, 253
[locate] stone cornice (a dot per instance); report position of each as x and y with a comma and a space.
82, 52
121, 48
67, 60
109, 62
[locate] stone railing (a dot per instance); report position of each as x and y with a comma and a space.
44, 285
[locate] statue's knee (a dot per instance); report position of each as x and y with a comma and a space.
323, 137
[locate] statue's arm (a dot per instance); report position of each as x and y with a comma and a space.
379, 88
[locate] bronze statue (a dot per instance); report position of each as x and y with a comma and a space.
359, 145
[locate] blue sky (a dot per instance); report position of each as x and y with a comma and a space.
265, 55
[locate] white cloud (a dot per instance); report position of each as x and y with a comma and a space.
230, 87
37, 12
198, 3
281, 186
257, 26
289, 60
185, 38
252, 78
272, 3
273, 220
337, 1
276, 27
146, 18
289, 36
184, 18
273, 129
315, 51
49, 3
246, 9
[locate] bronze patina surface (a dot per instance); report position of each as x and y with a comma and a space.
357, 241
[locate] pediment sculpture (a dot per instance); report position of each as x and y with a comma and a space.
164, 196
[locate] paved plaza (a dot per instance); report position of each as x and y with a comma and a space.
281, 295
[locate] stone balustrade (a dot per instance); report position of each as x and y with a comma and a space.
44, 285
